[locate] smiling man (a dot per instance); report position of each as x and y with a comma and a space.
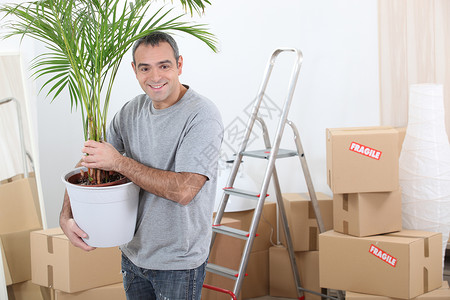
158, 74
167, 141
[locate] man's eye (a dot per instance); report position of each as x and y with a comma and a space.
144, 69
164, 67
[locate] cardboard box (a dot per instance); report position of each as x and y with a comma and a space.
364, 214
362, 159
302, 219
109, 292
267, 228
256, 284
18, 216
56, 263
443, 293
25, 291
16, 256
402, 265
281, 278
8, 279
18, 211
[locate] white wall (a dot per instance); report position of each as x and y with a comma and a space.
26, 49
338, 83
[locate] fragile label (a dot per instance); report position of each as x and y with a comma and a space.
364, 150
383, 255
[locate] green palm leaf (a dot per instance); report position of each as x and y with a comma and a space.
86, 41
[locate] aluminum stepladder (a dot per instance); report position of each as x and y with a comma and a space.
270, 153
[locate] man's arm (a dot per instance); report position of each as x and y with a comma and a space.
180, 187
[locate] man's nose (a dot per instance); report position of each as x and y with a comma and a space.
154, 75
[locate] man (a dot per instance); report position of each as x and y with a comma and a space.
171, 138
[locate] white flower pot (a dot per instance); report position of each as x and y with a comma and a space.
107, 214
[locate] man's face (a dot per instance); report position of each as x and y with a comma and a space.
157, 72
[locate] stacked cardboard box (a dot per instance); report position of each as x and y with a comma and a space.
26, 291
403, 264
110, 292
368, 252
282, 282
362, 168
302, 219
227, 252
362, 159
443, 293
19, 215
304, 235
72, 273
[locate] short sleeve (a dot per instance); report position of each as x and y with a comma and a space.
113, 134
199, 150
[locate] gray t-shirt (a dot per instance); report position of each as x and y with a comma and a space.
185, 137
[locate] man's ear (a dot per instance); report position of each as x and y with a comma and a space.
134, 67
180, 65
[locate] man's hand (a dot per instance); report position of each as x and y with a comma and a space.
100, 156
75, 234
70, 227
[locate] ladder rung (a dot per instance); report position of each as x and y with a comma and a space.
237, 233
222, 271
282, 153
239, 192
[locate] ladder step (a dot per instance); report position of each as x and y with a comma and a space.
282, 153
242, 193
237, 233
222, 271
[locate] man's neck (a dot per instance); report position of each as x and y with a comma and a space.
181, 91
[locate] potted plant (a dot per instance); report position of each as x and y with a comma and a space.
86, 42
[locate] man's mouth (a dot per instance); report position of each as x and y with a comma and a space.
157, 86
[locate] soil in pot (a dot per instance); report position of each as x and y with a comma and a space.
108, 179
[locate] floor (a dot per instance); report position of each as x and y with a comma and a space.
446, 277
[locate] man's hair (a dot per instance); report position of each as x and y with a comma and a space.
154, 39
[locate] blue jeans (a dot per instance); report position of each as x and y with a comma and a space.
140, 283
